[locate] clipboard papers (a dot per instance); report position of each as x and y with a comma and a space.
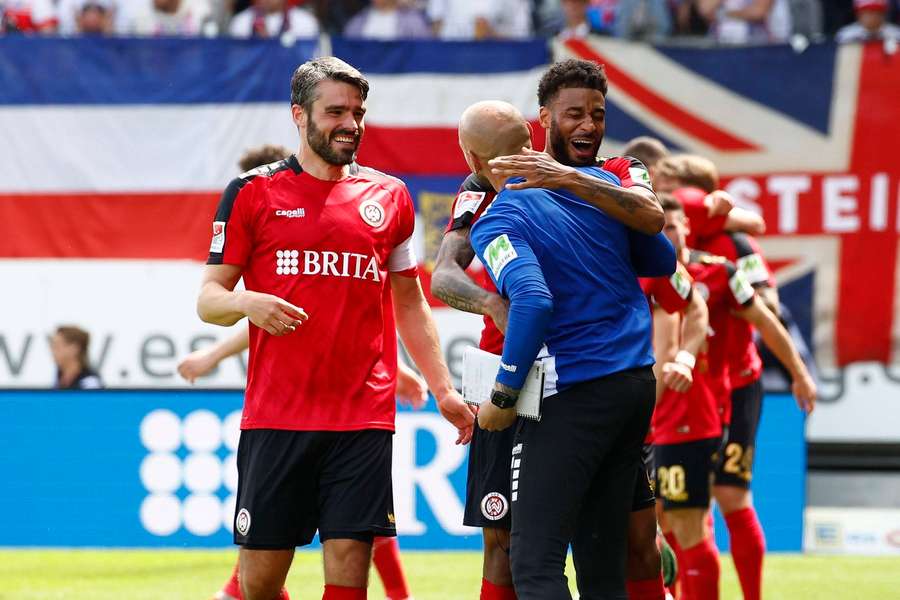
480, 372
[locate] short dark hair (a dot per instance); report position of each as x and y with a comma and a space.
646, 149
571, 73
308, 75
262, 155
669, 202
73, 334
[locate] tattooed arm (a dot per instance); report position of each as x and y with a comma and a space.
636, 207
450, 283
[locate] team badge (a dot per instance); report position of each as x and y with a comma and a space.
371, 212
242, 521
218, 237
494, 506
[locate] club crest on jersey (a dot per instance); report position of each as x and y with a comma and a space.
218, 237
242, 522
494, 506
467, 202
371, 212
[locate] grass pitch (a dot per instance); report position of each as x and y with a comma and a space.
196, 575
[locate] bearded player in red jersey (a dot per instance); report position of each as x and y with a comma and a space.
315, 447
684, 466
574, 139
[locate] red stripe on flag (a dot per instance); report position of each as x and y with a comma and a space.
155, 226
666, 110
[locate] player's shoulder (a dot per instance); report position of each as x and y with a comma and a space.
619, 162
374, 175
707, 259
261, 176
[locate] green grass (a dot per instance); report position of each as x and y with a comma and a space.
195, 575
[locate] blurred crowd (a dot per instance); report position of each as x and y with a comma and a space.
720, 21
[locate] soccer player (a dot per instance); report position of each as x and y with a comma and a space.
557, 225
686, 443
634, 204
315, 448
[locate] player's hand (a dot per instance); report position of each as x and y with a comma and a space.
271, 313
719, 203
804, 389
411, 388
461, 415
196, 364
499, 312
677, 376
539, 169
494, 418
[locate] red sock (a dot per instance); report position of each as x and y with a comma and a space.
748, 545
646, 589
701, 571
386, 557
492, 591
679, 559
233, 587
339, 592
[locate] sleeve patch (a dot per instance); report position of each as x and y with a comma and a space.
681, 285
640, 175
498, 254
218, 237
467, 202
740, 287
753, 268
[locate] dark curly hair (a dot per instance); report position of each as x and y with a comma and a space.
571, 73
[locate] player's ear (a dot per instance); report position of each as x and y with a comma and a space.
298, 115
543, 118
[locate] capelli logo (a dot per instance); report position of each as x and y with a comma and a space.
293, 213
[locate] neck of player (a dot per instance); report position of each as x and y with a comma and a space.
316, 166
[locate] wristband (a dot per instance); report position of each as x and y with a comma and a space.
686, 358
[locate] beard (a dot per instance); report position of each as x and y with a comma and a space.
321, 144
562, 149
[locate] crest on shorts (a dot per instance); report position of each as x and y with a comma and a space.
372, 212
242, 521
494, 506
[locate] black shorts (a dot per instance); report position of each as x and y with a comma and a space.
684, 472
644, 484
488, 481
291, 483
735, 466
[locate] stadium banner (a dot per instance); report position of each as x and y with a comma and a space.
867, 531
156, 468
110, 173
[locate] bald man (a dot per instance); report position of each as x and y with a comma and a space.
487, 133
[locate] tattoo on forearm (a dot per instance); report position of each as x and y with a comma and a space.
449, 281
623, 198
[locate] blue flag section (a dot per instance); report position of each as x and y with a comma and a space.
156, 469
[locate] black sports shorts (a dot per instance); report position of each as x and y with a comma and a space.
645, 483
488, 480
735, 466
684, 472
291, 483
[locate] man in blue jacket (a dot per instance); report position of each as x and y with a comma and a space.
570, 274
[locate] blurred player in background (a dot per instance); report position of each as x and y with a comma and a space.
315, 447
489, 459
685, 482
411, 390
69, 346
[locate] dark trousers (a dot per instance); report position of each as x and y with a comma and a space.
573, 476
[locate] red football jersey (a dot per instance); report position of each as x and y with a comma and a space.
745, 365
725, 289
672, 293
475, 196
327, 247
702, 225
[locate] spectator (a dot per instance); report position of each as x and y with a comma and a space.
642, 19
172, 17
27, 16
385, 20
747, 21
94, 17
575, 20
485, 19
69, 12
273, 18
69, 346
870, 23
